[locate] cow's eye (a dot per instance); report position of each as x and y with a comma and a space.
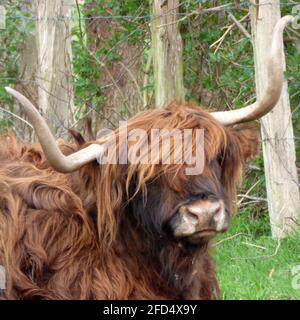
200, 196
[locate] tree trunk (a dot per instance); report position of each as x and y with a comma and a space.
276, 129
167, 52
27, 68
54, 63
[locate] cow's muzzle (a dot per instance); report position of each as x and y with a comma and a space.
200, 220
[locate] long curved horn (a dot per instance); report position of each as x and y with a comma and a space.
273, 90
56, 158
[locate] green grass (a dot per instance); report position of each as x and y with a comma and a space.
256, 277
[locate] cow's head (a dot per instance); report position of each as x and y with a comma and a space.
180, 206
166, 201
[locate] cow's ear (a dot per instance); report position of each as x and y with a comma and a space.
242, 144
247, 138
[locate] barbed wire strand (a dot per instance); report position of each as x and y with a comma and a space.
225, 7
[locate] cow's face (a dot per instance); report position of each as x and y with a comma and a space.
185, 208
192, 209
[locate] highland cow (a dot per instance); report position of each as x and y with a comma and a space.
73, 228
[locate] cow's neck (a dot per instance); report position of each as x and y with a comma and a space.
170, 268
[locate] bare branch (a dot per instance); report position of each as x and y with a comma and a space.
17, 117
239, 25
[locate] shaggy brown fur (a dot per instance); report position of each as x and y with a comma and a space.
98, 233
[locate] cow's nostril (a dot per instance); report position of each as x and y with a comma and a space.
216, 210
192, 216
